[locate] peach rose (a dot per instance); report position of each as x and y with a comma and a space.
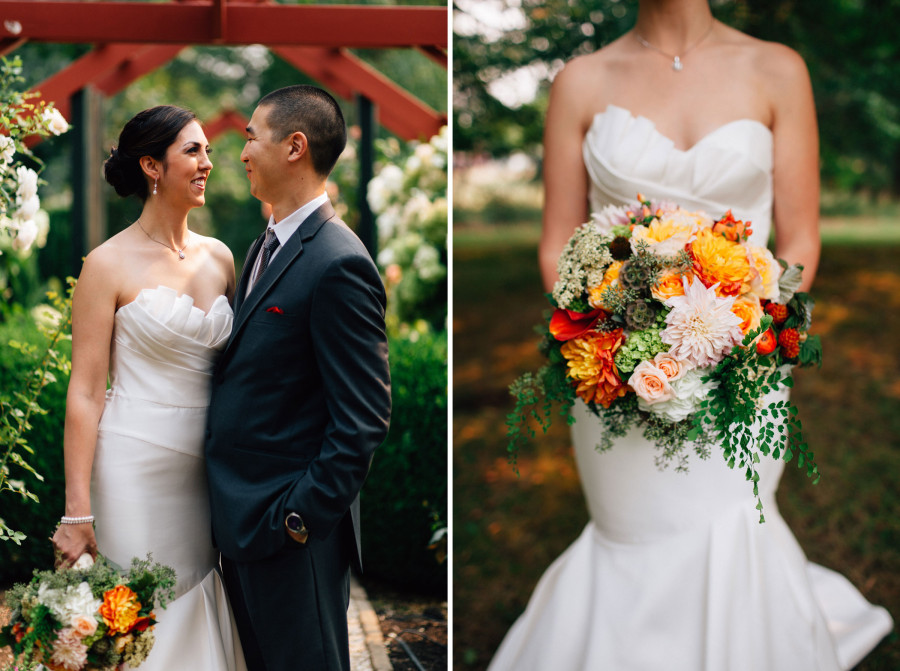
84, 625
650, 383
749, 311
672, 367
767, 272
669, 285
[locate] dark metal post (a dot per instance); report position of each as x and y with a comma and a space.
88, 207
368, 232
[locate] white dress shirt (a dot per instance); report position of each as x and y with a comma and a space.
285, 228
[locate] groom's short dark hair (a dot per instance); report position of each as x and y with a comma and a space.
311, 111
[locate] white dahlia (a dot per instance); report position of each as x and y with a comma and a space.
701, 328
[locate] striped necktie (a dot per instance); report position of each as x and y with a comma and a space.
269, 246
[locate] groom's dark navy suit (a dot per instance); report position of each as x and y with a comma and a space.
300, 401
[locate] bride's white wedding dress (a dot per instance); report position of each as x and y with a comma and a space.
148, 488
674, 571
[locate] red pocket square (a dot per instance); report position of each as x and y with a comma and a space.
277, 310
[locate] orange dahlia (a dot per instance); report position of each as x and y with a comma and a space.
120, 609
591, 365
717, 259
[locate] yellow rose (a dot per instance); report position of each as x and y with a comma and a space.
669, 234
610, 278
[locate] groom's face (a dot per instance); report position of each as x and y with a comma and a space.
261, 156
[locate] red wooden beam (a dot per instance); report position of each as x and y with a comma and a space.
95, 64
226, 121
439, 56
242, 22
141, 62
8, 44
399, 111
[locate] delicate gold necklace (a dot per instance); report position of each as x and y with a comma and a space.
677, 63
180, 252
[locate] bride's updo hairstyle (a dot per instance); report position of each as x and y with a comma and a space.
148, 133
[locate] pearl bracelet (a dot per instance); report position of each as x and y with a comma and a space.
87, 519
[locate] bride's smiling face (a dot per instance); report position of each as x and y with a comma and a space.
187, 167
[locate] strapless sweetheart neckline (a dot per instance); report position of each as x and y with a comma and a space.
178, 297
715, 131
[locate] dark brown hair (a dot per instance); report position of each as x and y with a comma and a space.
313, 112
148, 133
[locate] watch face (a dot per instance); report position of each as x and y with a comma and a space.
294, 522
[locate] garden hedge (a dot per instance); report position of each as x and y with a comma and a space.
405, 495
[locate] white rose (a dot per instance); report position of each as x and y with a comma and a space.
85, 561
25, 236
7, 150
29, 208
42, 219
386, 257
54, 121
427, 263
689, 391
392, 178
28, 183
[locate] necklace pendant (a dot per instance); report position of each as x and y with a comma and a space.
181, 255
677, 65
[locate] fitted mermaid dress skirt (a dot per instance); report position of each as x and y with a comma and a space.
674, 571
148, 486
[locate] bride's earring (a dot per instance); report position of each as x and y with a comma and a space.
155, 183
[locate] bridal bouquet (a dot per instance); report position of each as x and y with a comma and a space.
87, 617
671, 321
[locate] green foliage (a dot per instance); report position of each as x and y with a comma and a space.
40, 363
732, 417
404, 500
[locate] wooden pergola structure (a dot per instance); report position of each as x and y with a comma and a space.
132, 39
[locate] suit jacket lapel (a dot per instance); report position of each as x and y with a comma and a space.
291, 250
241, 291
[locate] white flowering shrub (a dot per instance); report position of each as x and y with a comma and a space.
22, 222
409, 196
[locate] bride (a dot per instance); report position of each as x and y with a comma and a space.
675, 572
151, 310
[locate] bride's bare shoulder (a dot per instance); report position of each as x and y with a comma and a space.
776, 63
586, 79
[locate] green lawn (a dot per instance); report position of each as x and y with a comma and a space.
508, 529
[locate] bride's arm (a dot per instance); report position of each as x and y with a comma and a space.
565, 177
93, 313
796, 168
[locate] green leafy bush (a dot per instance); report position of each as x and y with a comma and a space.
404, 500
36, 520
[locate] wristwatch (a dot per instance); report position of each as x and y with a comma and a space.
296, 528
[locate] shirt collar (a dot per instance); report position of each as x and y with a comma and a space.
285, 228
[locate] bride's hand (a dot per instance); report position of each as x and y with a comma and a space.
71, 541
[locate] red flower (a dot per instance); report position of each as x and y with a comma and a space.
767, 343
568, 324
731, 228
779, 312
790, 343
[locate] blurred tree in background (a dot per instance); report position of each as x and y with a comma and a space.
506, 52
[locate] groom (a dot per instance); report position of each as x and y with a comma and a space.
300, 400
